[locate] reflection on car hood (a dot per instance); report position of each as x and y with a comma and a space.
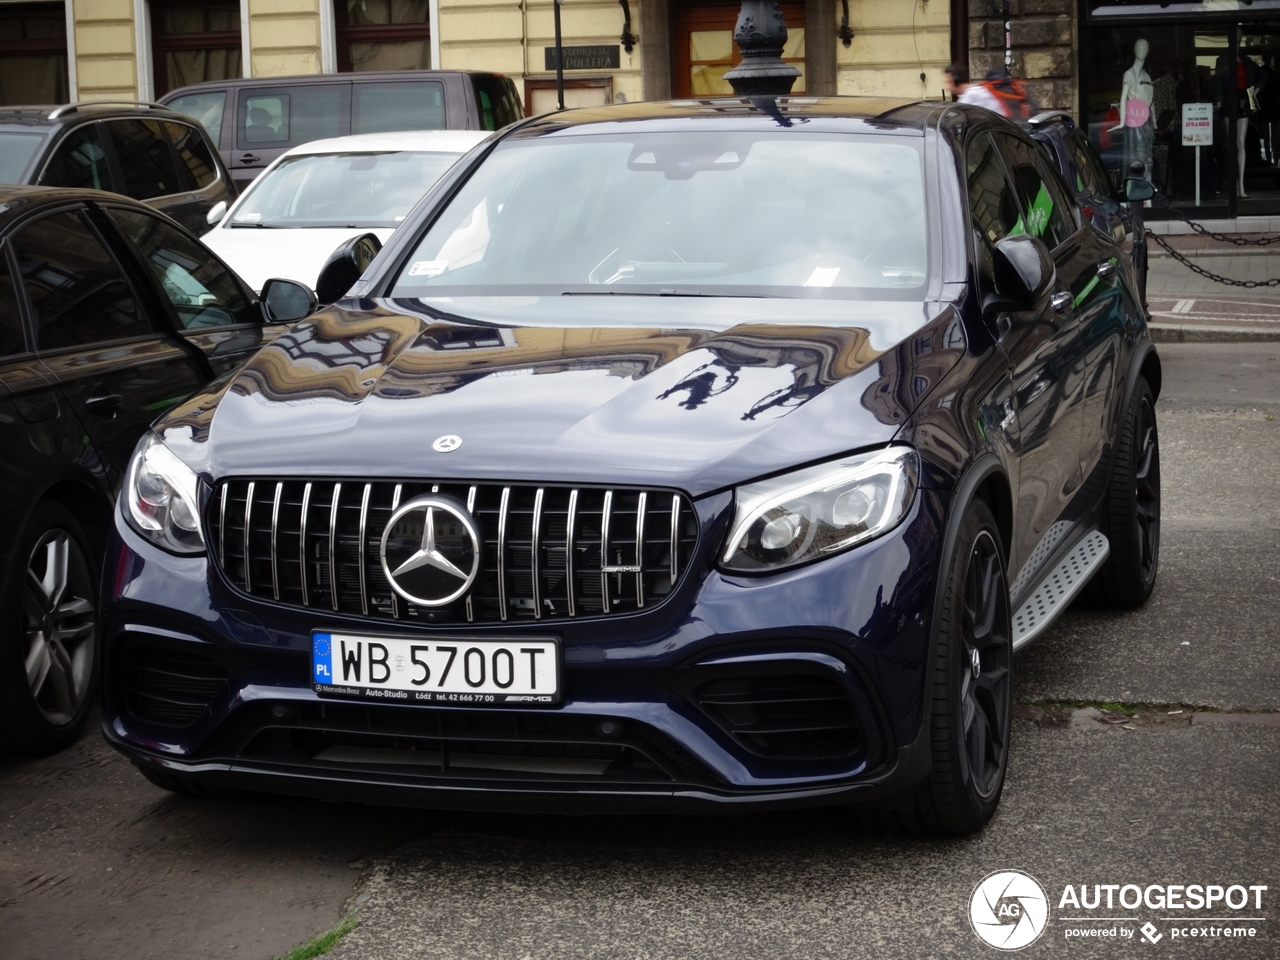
364, 388
292, 253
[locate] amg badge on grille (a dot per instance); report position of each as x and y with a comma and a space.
431, 551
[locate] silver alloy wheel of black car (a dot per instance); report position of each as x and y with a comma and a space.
58, 627
985, 695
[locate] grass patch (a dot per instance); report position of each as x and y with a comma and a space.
323, 943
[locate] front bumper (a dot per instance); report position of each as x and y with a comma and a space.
635, 730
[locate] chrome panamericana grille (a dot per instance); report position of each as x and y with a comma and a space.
547, 553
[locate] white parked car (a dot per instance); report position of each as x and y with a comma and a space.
326, 192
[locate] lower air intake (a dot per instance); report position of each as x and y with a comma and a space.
169, 688
801, 716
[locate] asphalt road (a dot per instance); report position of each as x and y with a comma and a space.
96, 863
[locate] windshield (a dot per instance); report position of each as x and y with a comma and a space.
341, 190
719, 214
15, 152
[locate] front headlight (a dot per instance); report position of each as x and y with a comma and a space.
161, 498
819, 511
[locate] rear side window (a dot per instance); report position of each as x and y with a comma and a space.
202, 290
497, 102
414, 105
1045, 208
79, 161
206, 108
145, 161
283, 117
76, 290
10, 319
193, 153
1093, 177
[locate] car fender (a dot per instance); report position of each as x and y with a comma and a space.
915, 759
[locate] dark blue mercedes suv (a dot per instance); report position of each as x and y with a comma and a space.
694, 455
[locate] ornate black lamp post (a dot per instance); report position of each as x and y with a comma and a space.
760, 36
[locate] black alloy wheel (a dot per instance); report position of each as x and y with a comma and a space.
971, 692
985, 695
1132, 511
47, 636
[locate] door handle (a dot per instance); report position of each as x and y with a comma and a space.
1062, 301
1106, 269
105, 405
250, 158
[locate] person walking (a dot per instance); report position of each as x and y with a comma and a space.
998, 93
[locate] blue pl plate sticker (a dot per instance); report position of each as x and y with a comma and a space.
322, 658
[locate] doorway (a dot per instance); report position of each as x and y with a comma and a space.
704, 50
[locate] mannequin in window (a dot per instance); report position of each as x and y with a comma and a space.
1244, 87
1136, 94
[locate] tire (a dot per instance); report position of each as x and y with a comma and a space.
970, 712
48, 613
1131, 514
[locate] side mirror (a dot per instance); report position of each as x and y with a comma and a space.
216, 213
1136, 189
1024, 272
285, 301
345, 266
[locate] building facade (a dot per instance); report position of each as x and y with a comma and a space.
139, 49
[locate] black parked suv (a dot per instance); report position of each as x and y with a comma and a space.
141, 150
1117, 214
109, 315
253, 121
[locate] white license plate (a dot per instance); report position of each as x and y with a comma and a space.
435, 670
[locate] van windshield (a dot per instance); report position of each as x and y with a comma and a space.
16, 150
341, 190
700, 214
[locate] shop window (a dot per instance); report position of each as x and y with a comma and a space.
194, 41
33, 53
1137, 77
383, 34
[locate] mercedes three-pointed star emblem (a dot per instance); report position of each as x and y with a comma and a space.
436, 563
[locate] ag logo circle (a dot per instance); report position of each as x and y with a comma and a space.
1008, 910
430, 551
447, 444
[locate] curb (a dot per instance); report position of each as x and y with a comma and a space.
1204, 333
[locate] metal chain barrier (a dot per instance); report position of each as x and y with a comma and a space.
1205, 232
1196, 268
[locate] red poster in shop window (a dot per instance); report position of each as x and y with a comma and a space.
1109, 120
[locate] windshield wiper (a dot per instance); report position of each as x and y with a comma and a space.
257, 225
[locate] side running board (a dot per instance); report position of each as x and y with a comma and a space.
1059, 588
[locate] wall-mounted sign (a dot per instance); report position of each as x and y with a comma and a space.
586, 58
1197, 124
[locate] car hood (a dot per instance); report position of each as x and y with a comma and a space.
260, 254
717, 393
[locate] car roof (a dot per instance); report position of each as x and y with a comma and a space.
50, 116
18, 199
362, 77
442, 141
851, 114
